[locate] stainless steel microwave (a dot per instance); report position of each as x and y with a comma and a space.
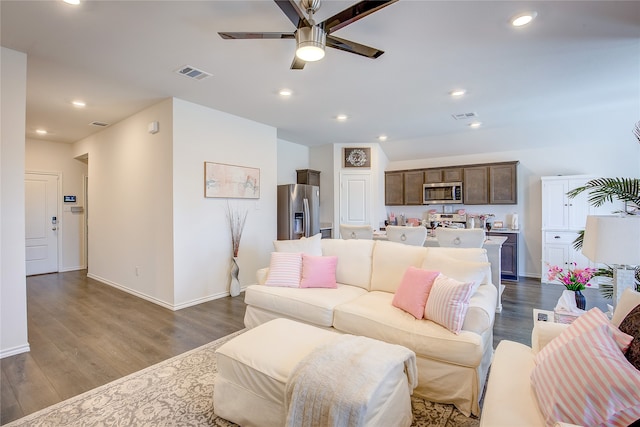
441, 193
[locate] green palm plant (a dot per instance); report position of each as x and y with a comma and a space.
602, 190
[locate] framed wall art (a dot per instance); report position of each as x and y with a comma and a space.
236, 182
357, 157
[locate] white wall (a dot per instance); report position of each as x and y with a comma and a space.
46, 156
130, 204
600, 144
291, 157
202, 240
13, 290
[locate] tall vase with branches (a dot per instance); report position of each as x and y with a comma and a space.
236, 218
601, 191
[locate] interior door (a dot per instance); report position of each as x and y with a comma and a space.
355, 199
42, 223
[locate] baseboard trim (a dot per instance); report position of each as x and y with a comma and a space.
67, 269
15, 350
172, 307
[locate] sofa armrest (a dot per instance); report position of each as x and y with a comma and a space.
544, 332
482, 309
261, 275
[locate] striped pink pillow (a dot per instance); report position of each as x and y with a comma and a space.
285, 269
448, 302
590, 320
588, 382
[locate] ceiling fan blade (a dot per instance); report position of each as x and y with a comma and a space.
245, 35
353, 47
293, 12
354, 13
297, 64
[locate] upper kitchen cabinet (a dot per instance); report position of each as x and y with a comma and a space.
503, 184
432, 176
393, 188
491, 184
413, 181
475, 185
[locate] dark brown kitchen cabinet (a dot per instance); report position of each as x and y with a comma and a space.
492, 184
475, 185
393, 188
413, 181
503, 184
509, 255
442, 175
308, 176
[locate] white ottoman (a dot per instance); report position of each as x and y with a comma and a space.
253, 369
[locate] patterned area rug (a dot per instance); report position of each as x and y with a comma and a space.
179, 392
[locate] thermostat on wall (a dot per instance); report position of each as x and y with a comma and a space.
69, 199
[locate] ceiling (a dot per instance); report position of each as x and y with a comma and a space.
120, 57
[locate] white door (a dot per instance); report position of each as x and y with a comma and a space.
42, 223
355, 198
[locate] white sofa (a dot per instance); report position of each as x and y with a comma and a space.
510, 399
452, 368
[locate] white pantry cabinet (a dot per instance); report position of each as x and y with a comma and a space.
562, 219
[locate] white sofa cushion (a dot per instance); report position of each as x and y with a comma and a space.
305, 245
372, 315
310, 305
458, 266
354, 260
390, 262
509, 399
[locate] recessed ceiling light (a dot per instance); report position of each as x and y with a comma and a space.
342, 117
475, 125
73, 2
523, 19
285, 92
457, 92
382, 138
78, 103
41, 131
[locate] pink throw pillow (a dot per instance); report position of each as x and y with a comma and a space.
319, 271
448, 302
588, 382
413, 291
284, 269
590, 320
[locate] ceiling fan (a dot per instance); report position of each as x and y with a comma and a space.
311, 38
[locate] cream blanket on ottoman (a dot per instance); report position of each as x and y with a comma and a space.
334, 384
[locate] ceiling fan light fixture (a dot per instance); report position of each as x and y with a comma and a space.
310, 42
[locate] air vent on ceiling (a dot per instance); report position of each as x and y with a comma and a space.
192, 72
101, 124
464, 116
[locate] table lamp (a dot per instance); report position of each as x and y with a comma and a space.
615, 241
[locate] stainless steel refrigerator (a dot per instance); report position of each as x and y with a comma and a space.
298, 211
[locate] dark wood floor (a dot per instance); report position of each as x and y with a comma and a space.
84, 334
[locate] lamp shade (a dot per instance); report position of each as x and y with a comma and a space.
612, 239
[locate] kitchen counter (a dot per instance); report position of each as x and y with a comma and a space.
504, 230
